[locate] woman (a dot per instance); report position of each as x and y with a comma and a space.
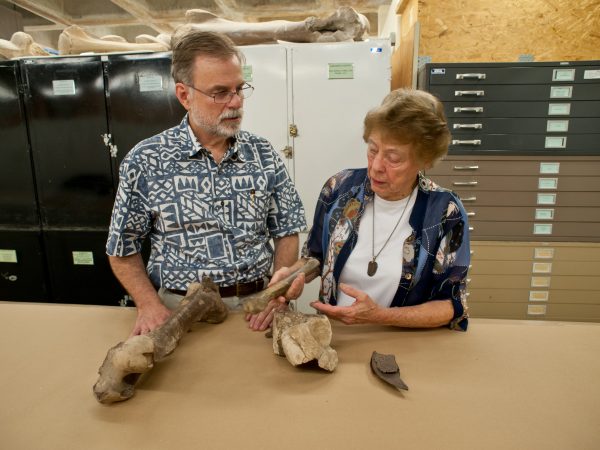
393, 246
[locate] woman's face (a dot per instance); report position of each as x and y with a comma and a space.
391, 166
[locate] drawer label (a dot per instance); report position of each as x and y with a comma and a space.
544, 214
592, 74
536, 310
539, 267
543, 253
557, 126
561, 91
555, 142
546, 199
63, 87
546, 167
559, 109
542, 228
548, 183
339, 71
8, 256
247, 73
538, 296
540, 281
438, 71
563, 75
83, 258
150, 83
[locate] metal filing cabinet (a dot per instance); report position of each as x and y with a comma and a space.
22, 272
525, 160
66, 116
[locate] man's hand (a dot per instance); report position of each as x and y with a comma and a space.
363, 310
149, 318
262, 320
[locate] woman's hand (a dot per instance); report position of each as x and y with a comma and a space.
363, 310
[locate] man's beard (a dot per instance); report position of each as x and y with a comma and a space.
220, 128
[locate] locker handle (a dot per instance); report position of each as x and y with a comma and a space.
466, 167
467, 93
468, 199
466, 142
464, 183
467, 126
465, 76
475, 109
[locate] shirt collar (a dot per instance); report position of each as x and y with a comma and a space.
196, 147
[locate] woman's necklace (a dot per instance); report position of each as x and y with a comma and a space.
372, 267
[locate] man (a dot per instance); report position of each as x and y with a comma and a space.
209, 195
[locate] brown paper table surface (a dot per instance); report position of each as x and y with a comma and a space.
500, 385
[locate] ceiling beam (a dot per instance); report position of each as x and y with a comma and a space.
49, 12
231, 10
143, 14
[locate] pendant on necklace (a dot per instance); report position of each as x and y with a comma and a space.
372, 268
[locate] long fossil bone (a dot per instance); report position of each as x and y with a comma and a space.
127, 361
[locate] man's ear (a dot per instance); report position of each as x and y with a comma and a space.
183, 95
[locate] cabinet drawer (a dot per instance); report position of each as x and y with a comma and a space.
548, 108
516, 92
530, 214
510, 165
515, 74
561, 231
520, 144
534, 251
540, 183
561, 282
523, 296
567, 126
535, 268
497, 310
541, 199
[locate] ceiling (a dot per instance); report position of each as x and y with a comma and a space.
44, 19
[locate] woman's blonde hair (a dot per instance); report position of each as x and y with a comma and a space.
410, 116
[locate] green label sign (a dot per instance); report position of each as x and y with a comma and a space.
339, 71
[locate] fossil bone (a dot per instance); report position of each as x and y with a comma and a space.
20, 44
127, 361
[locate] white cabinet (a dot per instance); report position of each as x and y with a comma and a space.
323, 91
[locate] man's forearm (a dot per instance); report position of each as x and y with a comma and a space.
286, 251
131, 273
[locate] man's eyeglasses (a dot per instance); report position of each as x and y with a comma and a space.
244, 91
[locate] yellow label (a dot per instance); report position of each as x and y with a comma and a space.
543, 253
538, 296
83, 258
8, 256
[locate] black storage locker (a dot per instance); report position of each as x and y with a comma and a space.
79, 268
22, 268
66, 115
141, 99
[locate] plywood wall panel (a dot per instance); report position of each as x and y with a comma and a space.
493, 31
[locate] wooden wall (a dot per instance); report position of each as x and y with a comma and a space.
501, 30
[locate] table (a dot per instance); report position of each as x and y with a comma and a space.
500, 385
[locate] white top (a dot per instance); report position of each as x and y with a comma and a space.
382, 286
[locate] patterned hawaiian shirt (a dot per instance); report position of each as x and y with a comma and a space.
203, 218
436, 255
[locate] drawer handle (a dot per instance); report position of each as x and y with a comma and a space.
470, 214
471, 229
467, 76
469, 93
466, 167
475, 109
466, 142
468, 126
468, 199
464, 183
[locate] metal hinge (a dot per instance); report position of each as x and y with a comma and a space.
113, 150
293, 130
288, 152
